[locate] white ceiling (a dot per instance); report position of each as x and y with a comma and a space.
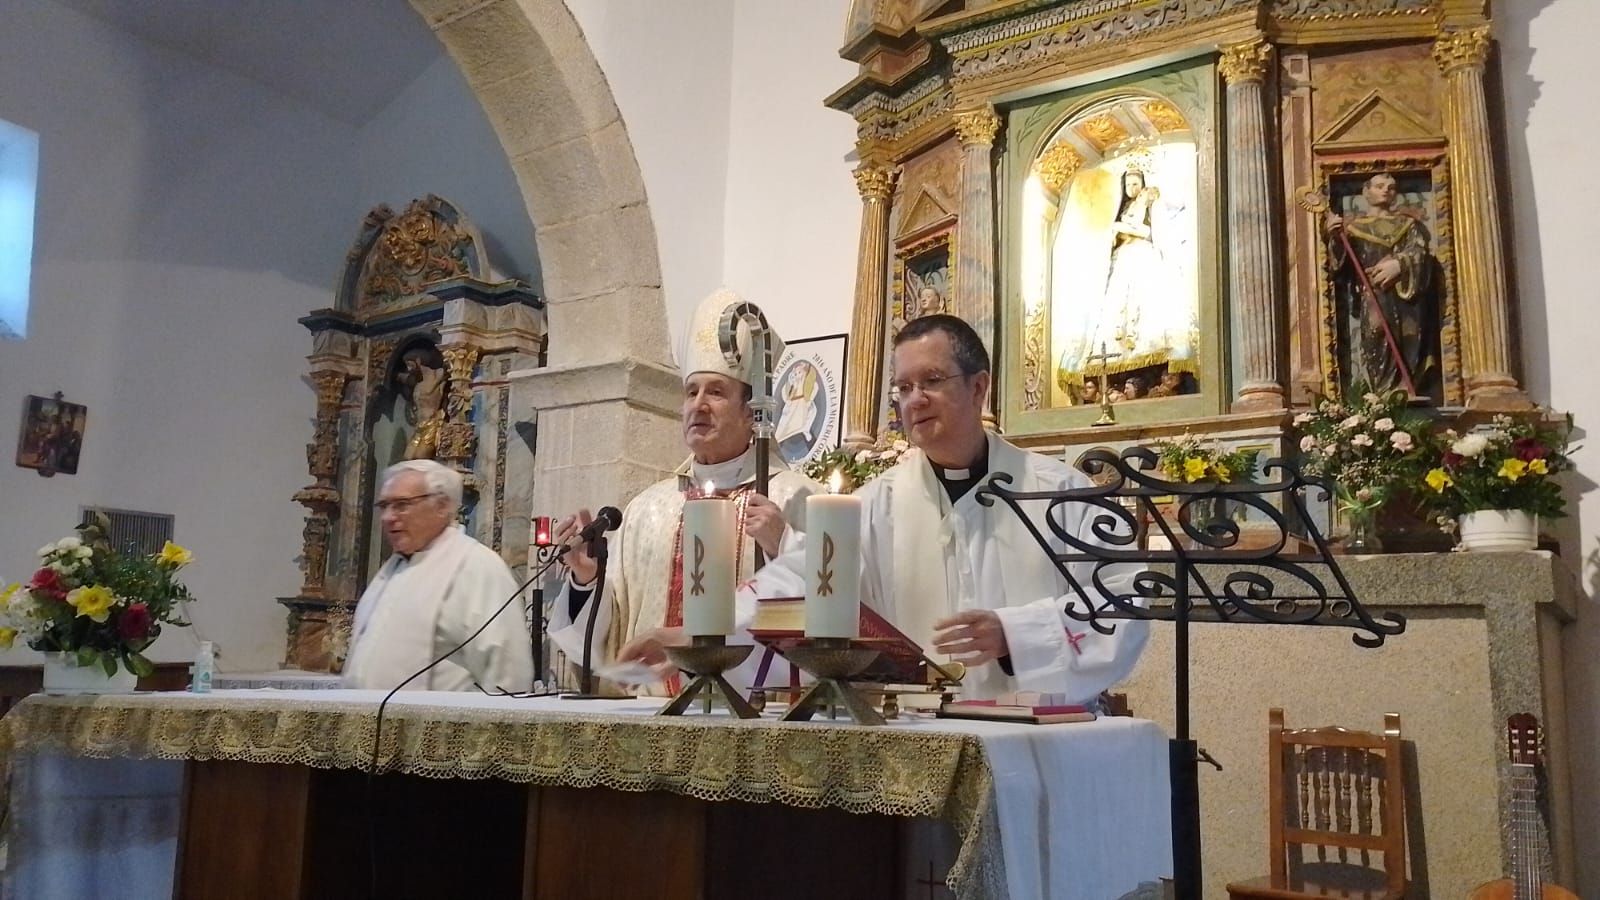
347, 58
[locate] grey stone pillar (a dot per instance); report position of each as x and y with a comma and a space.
1252, 254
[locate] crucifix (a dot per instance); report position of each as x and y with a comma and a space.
1108, 415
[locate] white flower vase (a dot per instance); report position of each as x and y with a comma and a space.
63, 675
1492, 530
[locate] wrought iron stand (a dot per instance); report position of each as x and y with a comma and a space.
1205, 575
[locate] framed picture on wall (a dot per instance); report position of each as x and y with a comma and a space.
809, 387
51, 437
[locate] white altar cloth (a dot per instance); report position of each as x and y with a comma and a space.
1082, 809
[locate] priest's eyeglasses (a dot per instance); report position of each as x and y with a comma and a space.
402, 505
900, 391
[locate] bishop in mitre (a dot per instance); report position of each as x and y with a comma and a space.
643, 602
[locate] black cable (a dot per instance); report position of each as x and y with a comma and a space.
377, 731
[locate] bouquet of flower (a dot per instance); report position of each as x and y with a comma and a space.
1189, 459
1366, 446
95, 604
1509, 465
858, 468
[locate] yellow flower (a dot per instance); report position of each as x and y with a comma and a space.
8, 636
1512, 469
1538, 467
1439, 479
1224, 474
173, 555
94, 602
7, 593
1194, 469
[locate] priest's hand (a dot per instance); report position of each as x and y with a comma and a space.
650, 648
971, 637
763, 520
577, 560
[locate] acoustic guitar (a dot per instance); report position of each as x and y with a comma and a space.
1527, 848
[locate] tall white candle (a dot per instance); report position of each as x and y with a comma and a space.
710, 528
833, 564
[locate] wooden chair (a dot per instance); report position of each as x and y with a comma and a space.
1337, 801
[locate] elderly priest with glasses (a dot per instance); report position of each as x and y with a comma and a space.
439, 586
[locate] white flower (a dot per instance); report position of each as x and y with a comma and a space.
1353, 422
68, 543
1496, 436
863, 456
1384, 424
1308, 443
61, 568
83, 552
1303, 418
1361, 440
889, 455
900, 446
1371, 398
1471, 445
46, 550
1401, 441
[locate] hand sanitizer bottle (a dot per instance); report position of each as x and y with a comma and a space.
205, 665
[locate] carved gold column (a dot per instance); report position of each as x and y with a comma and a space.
876, 184
458, 442
321, 497
1480, 249
1252, 254
974, 290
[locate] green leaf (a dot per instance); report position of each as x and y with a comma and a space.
139, 665
87, 656
108, 661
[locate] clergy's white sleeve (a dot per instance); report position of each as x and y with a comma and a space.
1053, 652
566, 630
502, 655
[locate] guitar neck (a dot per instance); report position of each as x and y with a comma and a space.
1527, 829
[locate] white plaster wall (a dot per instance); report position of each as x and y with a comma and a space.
185, 216
434, 138
793, 214
1547, 62
668, 65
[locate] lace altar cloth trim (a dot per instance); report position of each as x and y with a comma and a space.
893, 771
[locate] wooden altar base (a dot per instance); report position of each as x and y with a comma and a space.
284, 831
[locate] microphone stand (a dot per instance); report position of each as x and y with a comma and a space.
598, 551
543, 554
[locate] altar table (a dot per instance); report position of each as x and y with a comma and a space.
129, 795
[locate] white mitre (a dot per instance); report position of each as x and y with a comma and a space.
703, 349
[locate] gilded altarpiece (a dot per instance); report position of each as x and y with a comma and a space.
1199, 186
410, 362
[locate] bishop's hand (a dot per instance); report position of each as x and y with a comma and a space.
650, 648
763, 521
577, 560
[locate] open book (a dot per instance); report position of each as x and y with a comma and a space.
780, 622
1024, 706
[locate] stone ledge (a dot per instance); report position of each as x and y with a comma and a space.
638, 383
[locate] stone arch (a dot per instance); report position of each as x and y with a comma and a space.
531, 68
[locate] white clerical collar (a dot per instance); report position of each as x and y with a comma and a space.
725, 475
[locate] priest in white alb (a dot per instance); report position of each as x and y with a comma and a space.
437, 588
962, 579
643, 606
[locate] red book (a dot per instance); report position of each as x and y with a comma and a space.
780, 623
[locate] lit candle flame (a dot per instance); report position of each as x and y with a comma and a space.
835, 482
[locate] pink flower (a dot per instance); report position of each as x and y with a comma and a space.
1528, 449
47, 581
1308, 443
1401, 441
1384, 424
1361, 440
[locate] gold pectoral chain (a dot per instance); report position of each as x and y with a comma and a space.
825, 574
699, 573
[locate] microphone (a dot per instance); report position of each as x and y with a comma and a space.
607, 519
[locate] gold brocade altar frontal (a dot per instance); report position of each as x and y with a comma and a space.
897, 772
